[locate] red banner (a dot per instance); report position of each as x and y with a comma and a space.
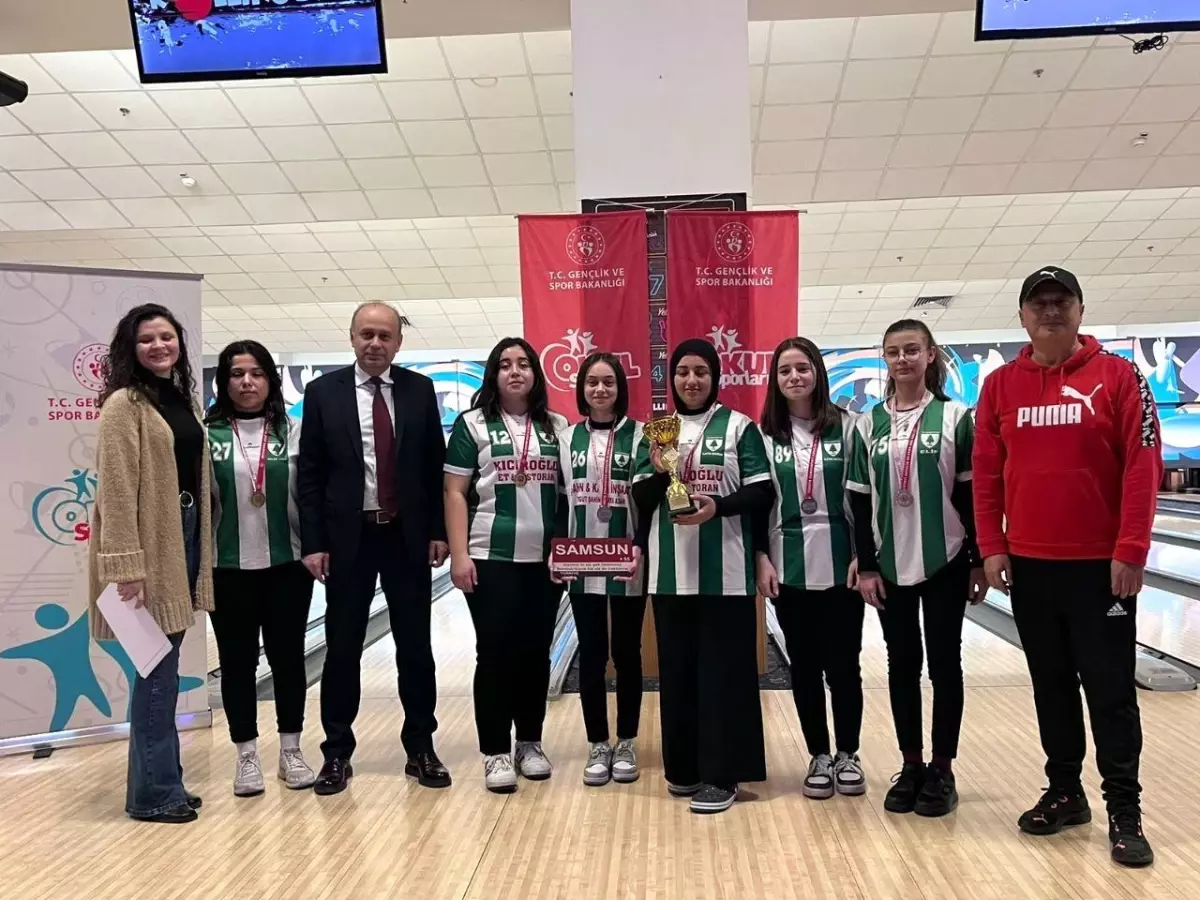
733, 278
585, 287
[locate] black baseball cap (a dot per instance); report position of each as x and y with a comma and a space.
1061, 277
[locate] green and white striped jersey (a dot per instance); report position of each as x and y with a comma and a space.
717, 557
506, 522
811, 551
583, 452
246, 536
913, 542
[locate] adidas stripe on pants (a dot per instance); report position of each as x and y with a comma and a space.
1074, 630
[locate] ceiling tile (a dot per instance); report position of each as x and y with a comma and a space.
868, 119
199, 109
485, 55
1182, 66
339, 205
26, 152
781, 157
12, 191
810, 40
86, 71
386, 173
518, 169
803, 83
888, 37
267, 209
408, 259
856, 153
31, 217
57, 184
488, 98
27, 70
1152, 141
126, 110
914, 151
564, 165
1115, 67
956, 35
54, 113
422, 100
368, 141
1034, 177
266, 106
1172, 170
857, 185
888, 79
10, 124
88, 149
328, 175
988, 179
1006, 112
783, 188
553, 94
158, 212
1080, 108
452, 171
793, 123
942, 116
157, 147
1057, 144
465, 201
560, 132
415, 59
996, 146
401, 204
508, 135
1040, 71
214, 210
90, 214
254, 178
958, 76
1163, 104
548, 52
228, 145
528, 198
300, 142
1108, 173
439, 138
341, 104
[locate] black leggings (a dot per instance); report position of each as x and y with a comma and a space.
275, 601
943, 600
514, 607
823, 631
592, 626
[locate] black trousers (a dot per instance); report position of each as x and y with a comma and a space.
1074, 630
592, 626
514, 607
712, 726
404, 574
942, 600
274, 601
823, 630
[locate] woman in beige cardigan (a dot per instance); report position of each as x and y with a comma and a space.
152, 535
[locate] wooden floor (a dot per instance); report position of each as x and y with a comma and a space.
62, 830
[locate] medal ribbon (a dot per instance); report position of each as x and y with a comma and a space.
259, 475
688, 468
605, 469
905, 474
810, 478
523, 459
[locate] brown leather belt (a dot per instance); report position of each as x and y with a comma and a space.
378, 517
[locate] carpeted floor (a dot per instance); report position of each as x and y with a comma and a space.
776, 678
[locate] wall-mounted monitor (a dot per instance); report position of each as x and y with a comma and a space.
222, 40
1016, 19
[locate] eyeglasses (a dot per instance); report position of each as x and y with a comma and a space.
893, 354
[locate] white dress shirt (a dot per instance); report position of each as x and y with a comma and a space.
365, 394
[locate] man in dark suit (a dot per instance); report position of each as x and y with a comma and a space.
371, 435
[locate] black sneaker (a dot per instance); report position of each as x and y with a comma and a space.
713, 798
1129, 846
1058, 809
906, 785
938, 796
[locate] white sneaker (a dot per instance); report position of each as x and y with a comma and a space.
818, 783
499, 776
598, 770
625, 767
531, 761
848, 775
294, 771
248, 776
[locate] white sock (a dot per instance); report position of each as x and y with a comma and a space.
289, 741
247, 747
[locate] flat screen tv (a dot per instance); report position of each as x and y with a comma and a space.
1015, 19
221, 40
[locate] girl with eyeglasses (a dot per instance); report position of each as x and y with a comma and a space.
910, 478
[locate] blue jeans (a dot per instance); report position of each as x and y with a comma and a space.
155, 780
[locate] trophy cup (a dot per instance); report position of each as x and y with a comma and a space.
664, 432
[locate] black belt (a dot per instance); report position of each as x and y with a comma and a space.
378, 517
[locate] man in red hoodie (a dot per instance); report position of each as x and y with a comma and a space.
1067, 466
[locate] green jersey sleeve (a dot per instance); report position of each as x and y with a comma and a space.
964, 444
462, 453
752, 456
858, 475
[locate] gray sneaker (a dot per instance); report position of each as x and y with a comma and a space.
499, 776
531, 761
598, 770
848, 775
248, 776
294, 771
625, 767
818, 783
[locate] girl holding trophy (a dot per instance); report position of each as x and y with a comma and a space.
502, 499
910, 478
697, 488
806, 562
597, 458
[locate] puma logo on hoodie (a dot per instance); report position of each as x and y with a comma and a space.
1059, 413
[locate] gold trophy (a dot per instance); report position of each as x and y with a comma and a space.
664, 432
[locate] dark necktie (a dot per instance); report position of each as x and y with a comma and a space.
385, 450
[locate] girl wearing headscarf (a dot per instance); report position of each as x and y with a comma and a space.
701, 575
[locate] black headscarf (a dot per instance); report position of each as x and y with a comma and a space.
707, 352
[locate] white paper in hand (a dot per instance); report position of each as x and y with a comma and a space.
136, 631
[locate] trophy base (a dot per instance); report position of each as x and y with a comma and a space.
680, 503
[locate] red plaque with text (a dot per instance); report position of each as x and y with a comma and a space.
592, 556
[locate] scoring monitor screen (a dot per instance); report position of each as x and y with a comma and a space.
1005, 19
193, 40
